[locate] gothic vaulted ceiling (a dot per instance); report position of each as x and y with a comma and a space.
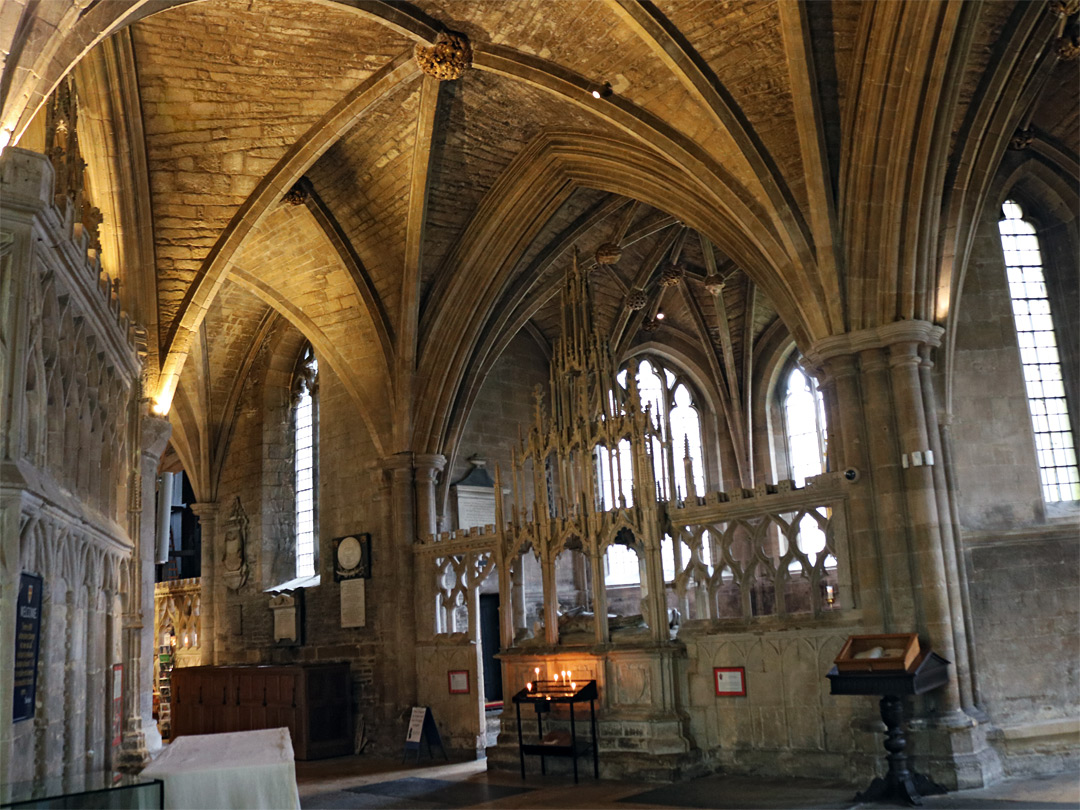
754, 167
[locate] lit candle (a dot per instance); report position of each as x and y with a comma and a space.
573, 686
569, 674
528, 686
537, 671
556, 677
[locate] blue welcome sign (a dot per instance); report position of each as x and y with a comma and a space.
27, 638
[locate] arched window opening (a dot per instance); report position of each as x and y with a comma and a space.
614, 476
306, 458
804, 420
674, 409
621, 566
1039, 356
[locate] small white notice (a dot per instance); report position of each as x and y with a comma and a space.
416, 724
353, 607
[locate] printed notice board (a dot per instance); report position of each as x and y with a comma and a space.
27, 639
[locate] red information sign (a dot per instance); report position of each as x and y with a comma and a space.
730, 681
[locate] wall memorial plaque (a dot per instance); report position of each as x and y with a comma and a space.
352, 557
27, 638
353, 603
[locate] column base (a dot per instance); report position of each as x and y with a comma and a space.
956, 750
138, 748
133, 754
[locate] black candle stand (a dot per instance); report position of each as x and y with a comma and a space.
927, 672
542, 695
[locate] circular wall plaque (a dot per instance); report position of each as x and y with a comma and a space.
348, 553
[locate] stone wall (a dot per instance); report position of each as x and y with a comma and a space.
787, 722
1020, 554
504, 403
1026, 601
69, 434
259, 471
995, 465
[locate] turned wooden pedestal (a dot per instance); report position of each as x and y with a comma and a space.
928, 672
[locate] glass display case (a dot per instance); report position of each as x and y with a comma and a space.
95, 791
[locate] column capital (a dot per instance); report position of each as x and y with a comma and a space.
434, 461
904, 353
154, 432
878, 337
396, 462
206, 509
428, 466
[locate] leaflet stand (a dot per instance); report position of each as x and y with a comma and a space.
422, 728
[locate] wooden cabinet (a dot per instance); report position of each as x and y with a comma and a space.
311, 700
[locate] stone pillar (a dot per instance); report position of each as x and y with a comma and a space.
140, 733
950, 550
427, 469
401, 565
49, 719
602, 631
207, 514
930, 573
114, 650
901, 548
847, 422
75, 695
97, 718
979, 710
551, 598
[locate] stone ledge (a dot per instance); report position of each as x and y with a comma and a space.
1064, 727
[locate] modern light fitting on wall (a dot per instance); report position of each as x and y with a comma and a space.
603, 91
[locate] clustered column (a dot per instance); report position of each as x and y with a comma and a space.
140, 733
207, 514
883, 411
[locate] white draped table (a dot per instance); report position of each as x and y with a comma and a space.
240, 770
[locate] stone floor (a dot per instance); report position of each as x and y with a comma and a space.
382, 784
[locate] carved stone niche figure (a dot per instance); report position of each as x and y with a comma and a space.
234, 558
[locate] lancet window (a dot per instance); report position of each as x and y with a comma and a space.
1039, 356
804, 422
676, 411
306, 458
